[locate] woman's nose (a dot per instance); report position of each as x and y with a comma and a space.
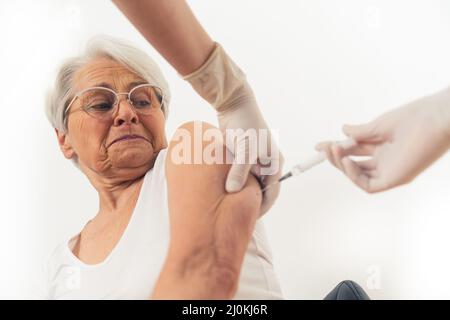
125, 113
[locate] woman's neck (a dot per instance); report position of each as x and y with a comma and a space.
118, 197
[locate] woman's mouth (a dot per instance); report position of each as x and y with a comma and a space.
128, 137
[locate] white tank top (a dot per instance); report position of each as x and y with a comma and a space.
132, 268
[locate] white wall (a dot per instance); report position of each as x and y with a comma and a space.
314, 66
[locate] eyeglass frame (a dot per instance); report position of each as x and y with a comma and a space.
117, 95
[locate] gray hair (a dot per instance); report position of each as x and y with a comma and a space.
135, 59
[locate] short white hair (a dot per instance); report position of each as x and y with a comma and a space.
133, 58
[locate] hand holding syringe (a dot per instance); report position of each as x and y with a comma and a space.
311, 162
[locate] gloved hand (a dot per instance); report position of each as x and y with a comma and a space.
400, 144
223, 84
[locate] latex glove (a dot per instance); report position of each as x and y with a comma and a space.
223, 84
399, 144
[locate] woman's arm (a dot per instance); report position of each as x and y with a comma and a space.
210, 228
171, 27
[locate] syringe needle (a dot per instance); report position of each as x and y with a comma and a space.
283, 177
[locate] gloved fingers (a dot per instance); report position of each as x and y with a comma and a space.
359, 176
237, 176
327, 147
367, 165
364, 132
270, 194
269, 174
339, 154
336, 154
244, 158
260, 170
360, 149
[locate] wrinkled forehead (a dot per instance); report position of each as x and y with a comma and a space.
105, 72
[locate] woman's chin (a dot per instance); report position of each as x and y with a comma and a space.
132, 158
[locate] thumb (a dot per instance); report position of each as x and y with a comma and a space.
363, 132
237, 176
244, 158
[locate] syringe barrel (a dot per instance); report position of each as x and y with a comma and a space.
319, 158
309, 163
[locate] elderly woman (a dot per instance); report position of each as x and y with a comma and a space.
163, 229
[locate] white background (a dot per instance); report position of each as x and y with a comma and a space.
314, 65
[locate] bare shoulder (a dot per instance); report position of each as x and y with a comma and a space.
198, 162
196, 175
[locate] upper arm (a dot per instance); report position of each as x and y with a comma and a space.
209, 227
172, 29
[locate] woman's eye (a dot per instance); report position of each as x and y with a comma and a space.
100, 107
141, 103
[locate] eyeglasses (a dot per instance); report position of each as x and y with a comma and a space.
101, 102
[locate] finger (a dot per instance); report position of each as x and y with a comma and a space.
271, 178
326, 147
367, 165
356, 174
336, 152
270, 165
244, 159
367, 179
237, 176
361, 149
378, 185
270, 194
364, 132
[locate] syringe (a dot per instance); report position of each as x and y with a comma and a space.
309, 163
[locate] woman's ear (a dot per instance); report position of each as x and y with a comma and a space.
64, 144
